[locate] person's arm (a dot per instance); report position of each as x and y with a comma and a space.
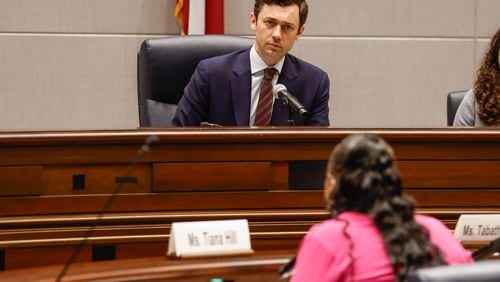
318, 114
315, 262
443, 238
466, 112
193, 106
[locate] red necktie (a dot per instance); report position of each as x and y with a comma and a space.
265, 105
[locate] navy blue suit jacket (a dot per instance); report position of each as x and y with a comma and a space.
219, 92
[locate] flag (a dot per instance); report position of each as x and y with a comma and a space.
200, 16
181, 15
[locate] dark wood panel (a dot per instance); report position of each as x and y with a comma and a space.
214, 201
97, 179
454, 199
450, 174
426, 198
266, 151
479, 149
279, 172
181, 144
210, 176
68, 154
122, 218
42, 256
21, 180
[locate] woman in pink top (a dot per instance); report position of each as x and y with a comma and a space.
373, 234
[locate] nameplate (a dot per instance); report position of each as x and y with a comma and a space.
209, 238
476, 227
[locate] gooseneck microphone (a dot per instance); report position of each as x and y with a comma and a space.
143, 150
280, 91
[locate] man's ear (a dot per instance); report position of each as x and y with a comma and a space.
300, 31
253, 21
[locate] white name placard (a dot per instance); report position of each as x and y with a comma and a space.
209, 238
478, 227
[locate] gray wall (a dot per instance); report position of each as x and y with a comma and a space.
71, 64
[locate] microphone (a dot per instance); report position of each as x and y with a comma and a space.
143, 150
485, 252
279, 90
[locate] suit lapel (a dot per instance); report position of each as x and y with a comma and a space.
287, 77
240, 89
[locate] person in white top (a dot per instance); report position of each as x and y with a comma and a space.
481, 105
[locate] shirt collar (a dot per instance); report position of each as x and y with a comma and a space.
257, 64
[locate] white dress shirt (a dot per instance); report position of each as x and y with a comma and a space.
257, 66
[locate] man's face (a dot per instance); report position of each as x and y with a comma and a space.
276, 30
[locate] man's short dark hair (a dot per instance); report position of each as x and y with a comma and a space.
303, 8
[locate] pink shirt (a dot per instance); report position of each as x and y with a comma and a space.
324, 251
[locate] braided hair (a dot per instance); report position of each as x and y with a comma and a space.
368, 182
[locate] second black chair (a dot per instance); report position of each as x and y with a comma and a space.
453, 100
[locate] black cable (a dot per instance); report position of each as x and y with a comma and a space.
485, 252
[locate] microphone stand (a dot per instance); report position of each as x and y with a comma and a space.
143, 150
290, 121
285, 100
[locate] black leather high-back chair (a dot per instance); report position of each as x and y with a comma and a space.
165, 65
452, 102
484, 271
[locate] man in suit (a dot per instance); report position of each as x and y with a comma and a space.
226, 90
